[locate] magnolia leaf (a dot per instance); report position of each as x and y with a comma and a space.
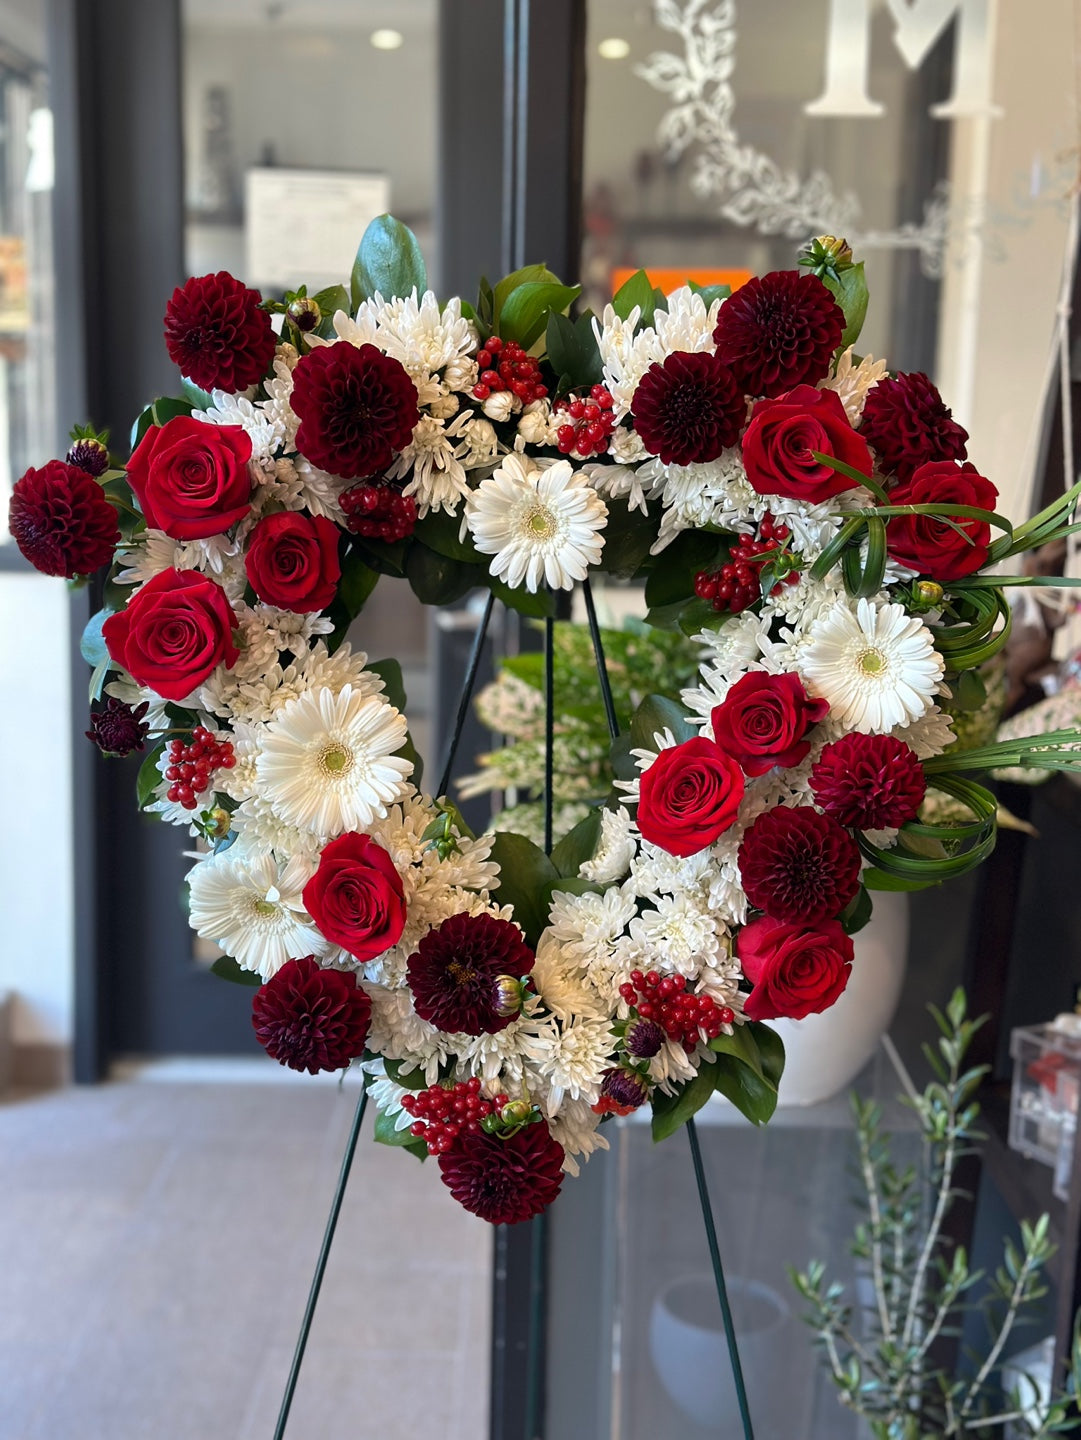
226, 968
672, 1111
527, 275
390, 672
357, 583
526, 309
752, 1093
536, 604
578, 845
389, 261
437, 580
526, 876
441, 533
849, 288
92, 646
636, 291
386, 1134
857, 912
657, 713
149, 776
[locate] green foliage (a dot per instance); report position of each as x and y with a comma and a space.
149, 776
386, 1134
746, 1070
526, 879
635, 291
226, 968
849, 288
526, 309
885, 1367
573, 351
388, 260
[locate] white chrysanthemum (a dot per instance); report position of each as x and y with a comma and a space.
266, 432
542, 526
153, 551
584, 924
560, 984
263, 832
852, 382
423, 337
621, 482
438, 480
398, 1032
680, 933
576, 1129
253, 908
327, 762
569, 1059
877, 667
615, 849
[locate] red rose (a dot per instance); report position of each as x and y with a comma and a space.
689, 795
782, 434
292, 561
192, 478
931, 544
796, 969
356, 896
175, 631
762, 721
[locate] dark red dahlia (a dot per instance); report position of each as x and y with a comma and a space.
357, 407
217, 334
799, 865
90, 454
310, 1018
61, 521
456, 970
504, 1180
907, 422
622, 1091
689, 409
779, 331
869, 782
118, 729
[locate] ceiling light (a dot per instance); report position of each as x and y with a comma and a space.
387, 39
614, 48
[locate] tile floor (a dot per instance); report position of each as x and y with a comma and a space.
156, 1245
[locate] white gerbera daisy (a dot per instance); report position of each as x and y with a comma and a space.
542, 526
327, 762
877, 667
253, 908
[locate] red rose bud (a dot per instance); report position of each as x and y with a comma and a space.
931, 544
779, 331
622, 1092
292, 561
504, 1179
357, 408
356, 897
311, 1019
799, 865
762, 721
457, 970
797, 969
783, 434
688, 796
906, 421
688, 409
176, 630
61, 521
869, 782
217, 333
191, 478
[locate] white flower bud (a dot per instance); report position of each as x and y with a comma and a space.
499, 405
443, 406
534, 426
626, 446
461, 373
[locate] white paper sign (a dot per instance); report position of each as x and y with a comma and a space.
304, 225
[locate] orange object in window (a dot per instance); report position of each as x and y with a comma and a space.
669, 279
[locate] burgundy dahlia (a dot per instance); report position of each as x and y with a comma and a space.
504, 1180
908, 423
90, 454
689, 409
310, 1018
217, 334
61, 521
457, 970
118, 729
357, 407
799, 865
643, 1038
779, 331
869, 782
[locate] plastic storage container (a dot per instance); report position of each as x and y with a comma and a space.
1045, 1094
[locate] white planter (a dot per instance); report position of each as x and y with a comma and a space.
690, 1353
824, 1053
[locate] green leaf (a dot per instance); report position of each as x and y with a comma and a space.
159, 412
970, 692
149, 776
97, 679
485, 306
199, 399
857, 912
770, 1050
657, 712
527, 275
226, 968
332, 299
628, 535
572, 351
525, 875
698, 615
849, 288
752, 1093
578, 845
440, 532
92, 646
672, 1111
436, 580
412, 1079
390, 672
624, 765
709, 293
386, 1134
388, 260
526, 309
357, 583
673, 572
638, 290
538, 605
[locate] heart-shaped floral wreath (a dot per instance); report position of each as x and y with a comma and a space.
810, 518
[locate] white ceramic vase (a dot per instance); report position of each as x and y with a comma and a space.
824, 1053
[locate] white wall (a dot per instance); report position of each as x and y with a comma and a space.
36, 871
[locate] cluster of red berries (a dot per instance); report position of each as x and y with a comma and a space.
445, 1112
191, 766
379, 512
504, 365
587, 424
736, 585
681, 1014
